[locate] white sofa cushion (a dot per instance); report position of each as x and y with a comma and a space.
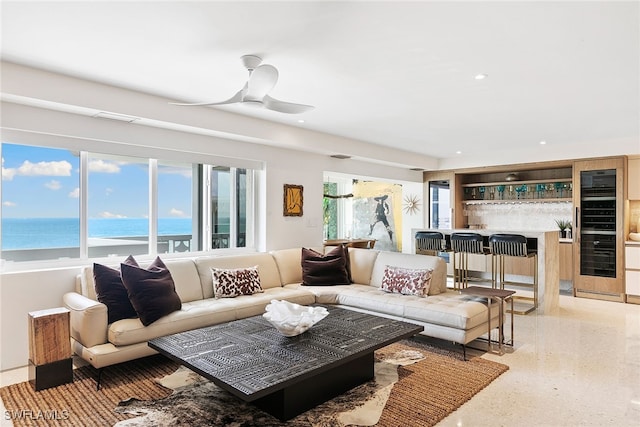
449, 309
186, 278
323, 294
198, 314
374, 299
439, 267
362, 262
267, 268
193, 315
289, 264
183, 271
87, 284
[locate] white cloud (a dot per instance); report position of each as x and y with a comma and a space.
8, 204
103, 167
61, 168
108, 191
8, 174
53, 185
107, 214
75, 193
177, 212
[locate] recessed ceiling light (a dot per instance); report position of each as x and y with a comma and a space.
481, 76
543, 142
300, 121
458, 152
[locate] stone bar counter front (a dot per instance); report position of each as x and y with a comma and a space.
548, 247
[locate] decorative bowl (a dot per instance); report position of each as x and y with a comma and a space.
634, 237
293, 319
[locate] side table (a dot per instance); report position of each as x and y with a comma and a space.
502, 296
50, 362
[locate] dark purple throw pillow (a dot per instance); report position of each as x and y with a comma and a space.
111, 291
325, 270
152, 291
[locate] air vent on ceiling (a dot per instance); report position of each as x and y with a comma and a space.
417, 169
117, 117
340, 156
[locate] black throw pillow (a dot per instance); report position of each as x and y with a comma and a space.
152, 291
325, 270
111, 291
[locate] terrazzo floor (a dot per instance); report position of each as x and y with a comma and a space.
577, 367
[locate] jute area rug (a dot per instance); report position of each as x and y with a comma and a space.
416, 384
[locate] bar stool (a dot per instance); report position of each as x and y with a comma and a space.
463, 244
430, 243
513, 245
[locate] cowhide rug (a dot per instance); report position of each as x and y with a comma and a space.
196, 401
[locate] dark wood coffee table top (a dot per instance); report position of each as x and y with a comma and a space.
251, 359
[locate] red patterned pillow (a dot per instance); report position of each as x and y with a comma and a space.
406, 281
232, 282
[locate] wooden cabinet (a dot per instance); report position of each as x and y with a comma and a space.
632, 272
633, 178
598, 226
566, 261
520, 184
541, 190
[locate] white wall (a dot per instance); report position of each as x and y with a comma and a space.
25, 291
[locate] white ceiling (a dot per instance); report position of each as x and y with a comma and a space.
391, 73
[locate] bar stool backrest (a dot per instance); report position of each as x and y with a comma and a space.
508, 244
467, 242
430, 241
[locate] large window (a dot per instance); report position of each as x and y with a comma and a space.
177, 228
230, 203
40, 209
59, 204
118, 189
220, 207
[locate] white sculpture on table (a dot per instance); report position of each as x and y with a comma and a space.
293, 319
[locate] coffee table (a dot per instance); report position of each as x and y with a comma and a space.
286, 376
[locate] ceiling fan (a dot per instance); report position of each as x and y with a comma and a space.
262, 78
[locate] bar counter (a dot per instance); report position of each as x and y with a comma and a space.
548, 260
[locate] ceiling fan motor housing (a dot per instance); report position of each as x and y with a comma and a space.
251, 62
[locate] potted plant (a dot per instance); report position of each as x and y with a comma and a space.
563, 224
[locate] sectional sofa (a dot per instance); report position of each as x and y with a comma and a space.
445, 314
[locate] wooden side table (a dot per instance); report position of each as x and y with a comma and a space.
502, 296
50, 362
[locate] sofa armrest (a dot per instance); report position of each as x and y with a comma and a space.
88, 319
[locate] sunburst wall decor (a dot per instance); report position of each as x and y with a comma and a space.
411, 204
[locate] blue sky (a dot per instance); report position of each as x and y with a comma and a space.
44, 182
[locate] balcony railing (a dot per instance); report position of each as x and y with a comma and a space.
112, 246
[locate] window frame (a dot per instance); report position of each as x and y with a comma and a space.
200, 216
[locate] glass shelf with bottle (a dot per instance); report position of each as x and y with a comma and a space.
520, 191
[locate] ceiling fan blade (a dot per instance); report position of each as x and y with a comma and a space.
234, 99
261, 81
285, 107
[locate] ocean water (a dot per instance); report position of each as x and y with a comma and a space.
37, 233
